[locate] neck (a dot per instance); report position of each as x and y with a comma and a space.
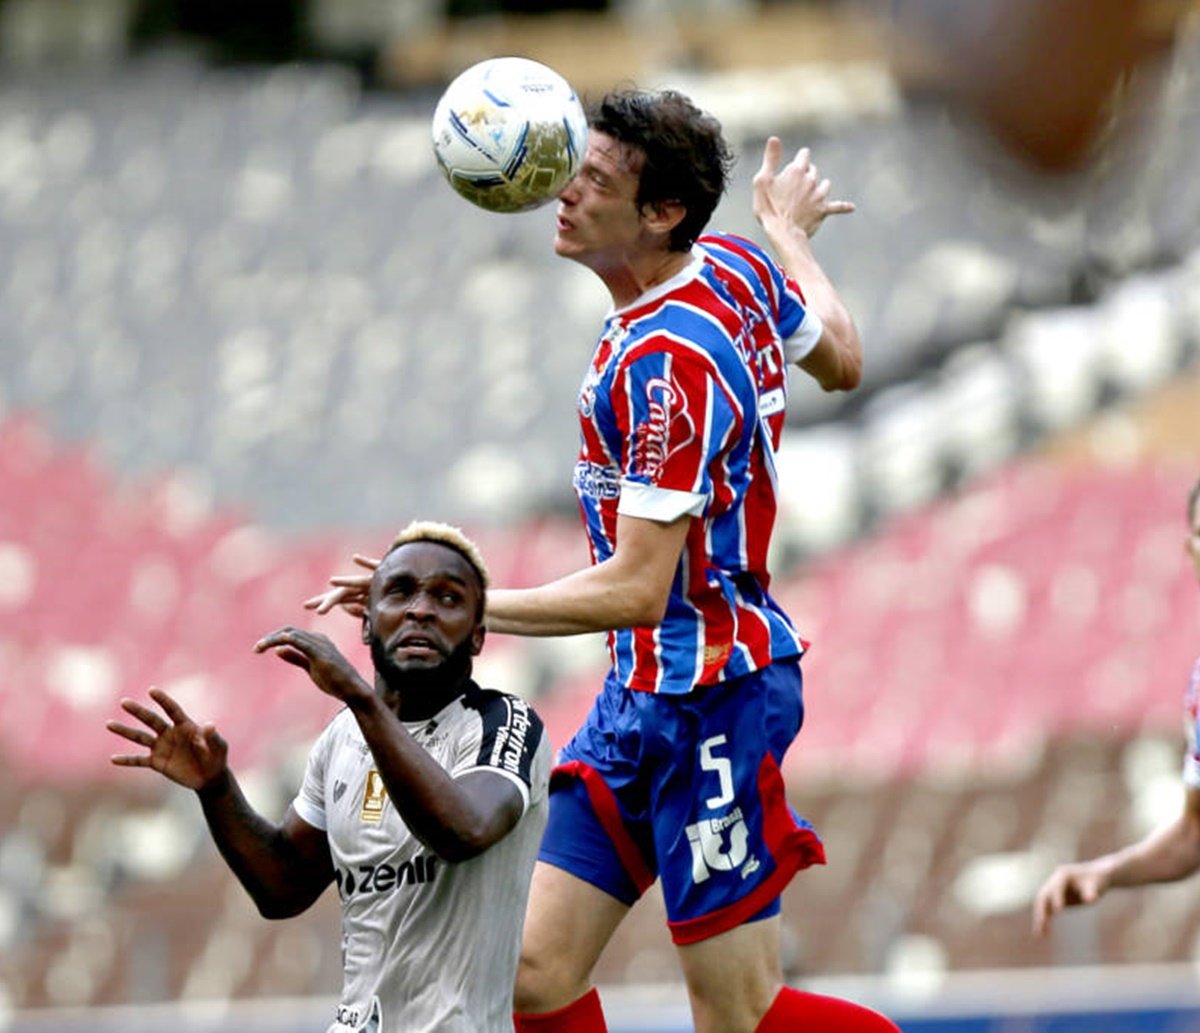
418, 698
630, 279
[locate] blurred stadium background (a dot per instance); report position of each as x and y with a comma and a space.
245, 329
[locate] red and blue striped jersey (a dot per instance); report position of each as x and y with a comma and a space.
681, 411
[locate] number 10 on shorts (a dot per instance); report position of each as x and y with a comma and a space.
719, 844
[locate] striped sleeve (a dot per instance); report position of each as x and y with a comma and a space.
675, 420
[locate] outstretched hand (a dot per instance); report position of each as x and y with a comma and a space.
794, 194
187, 753
349, 591
1070, 885
329, 670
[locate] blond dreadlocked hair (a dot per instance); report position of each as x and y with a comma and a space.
444, 534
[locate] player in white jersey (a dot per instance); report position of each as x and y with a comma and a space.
1167, 854
424, 800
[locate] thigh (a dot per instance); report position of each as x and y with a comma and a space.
567, 924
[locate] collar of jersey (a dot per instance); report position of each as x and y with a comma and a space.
688, 272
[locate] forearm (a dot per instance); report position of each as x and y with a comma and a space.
278, 880
1169, 854
580, 603
842, 369
434, 806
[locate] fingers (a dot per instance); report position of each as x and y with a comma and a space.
772, 152
350, 589
171, 708
136, 735
293, 656
346, 586
282, 637
293, 644
130, 760
1052, 898
840, 207
151, 718
1043, 911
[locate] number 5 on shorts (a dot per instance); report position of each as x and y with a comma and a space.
723, 768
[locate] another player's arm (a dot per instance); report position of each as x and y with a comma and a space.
629, 589
456, 818
284, 868
790, 204
1167, 854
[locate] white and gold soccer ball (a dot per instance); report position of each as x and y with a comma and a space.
509, 134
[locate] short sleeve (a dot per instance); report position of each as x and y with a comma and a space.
676, 420
805, 338
509, 741
310, 800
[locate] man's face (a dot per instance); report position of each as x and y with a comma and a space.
598, 216
423, 614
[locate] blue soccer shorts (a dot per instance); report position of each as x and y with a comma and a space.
686, 788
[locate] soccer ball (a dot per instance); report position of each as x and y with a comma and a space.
509, 134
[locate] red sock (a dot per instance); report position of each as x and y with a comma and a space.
580, 1016
793, 1011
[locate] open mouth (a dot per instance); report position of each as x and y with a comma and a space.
418, 645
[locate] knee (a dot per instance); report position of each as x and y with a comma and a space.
546, 982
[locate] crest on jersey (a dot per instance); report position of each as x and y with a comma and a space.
374, 797
667, 428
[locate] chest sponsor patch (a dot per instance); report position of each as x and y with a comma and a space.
374, 798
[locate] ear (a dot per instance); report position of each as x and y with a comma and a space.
477, 637
366, 630
663, 216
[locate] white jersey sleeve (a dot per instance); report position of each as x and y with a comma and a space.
310, 801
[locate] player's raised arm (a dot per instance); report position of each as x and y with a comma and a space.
791, 203
283, 867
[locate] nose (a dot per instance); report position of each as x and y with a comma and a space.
420, 606
570, 193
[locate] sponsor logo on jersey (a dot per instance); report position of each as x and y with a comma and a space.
771, 402
717, 654
374, 798
383, 878
509, 747
351, 1020
666, 429
339, 790
597, 482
